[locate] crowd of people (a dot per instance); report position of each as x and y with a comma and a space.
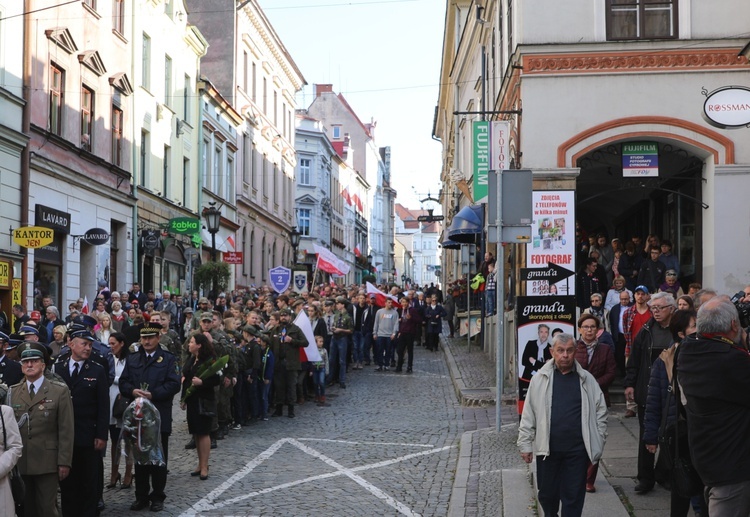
682, 356
74, 379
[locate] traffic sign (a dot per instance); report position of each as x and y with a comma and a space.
430, 218
552, 272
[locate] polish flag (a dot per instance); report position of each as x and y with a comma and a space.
329, 262
357, 253
230, 240
380, 296
85, 308
310, 352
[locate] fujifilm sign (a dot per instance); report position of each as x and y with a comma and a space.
728, 107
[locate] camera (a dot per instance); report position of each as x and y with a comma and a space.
743, 308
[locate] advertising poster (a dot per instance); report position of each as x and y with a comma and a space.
552, 240
539, 320
640, 160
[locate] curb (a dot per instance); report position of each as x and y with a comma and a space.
460, 481
476, 397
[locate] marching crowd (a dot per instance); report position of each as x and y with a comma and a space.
73, 382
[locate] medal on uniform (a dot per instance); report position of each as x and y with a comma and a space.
41, 407
161, 358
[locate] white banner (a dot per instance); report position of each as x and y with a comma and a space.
552, 240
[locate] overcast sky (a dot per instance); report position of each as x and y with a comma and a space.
384, 56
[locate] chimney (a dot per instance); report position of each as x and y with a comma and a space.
322, 88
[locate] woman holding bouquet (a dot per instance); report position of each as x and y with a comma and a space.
201, 402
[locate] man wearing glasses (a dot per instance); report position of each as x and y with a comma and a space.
653, 337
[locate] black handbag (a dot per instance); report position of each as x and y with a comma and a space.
120, 405
17, 486
207, 407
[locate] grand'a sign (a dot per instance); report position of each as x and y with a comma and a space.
728, 107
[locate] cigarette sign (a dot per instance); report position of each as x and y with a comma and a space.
640, 159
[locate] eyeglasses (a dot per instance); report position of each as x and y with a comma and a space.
659, 308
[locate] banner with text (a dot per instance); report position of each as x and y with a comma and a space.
640, 160
552, 240
481, 162
500, 145
539, 320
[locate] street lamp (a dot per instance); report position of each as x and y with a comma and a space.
393, 274
403, 280
369, 263
213, 220
294, 237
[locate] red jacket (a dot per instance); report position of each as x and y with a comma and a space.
602, 365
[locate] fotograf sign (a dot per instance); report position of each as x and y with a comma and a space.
728, 107
96, 237
640, 159
184, 225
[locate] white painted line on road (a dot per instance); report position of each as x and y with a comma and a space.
364, 443
207, 503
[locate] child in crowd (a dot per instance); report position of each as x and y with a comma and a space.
319, 372
264, 378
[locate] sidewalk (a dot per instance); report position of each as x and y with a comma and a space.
491, 479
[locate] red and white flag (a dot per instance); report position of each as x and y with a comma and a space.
330, 263
85, 308
380, 296
310, 352
357, 252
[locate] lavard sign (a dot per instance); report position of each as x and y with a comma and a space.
185, 225
33, 236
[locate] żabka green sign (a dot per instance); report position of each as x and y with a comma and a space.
186, 225
481, 148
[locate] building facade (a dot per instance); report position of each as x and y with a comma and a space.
578, 84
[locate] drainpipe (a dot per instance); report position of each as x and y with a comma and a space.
26, 130
134, 161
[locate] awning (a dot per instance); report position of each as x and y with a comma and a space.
467, 223
450, 245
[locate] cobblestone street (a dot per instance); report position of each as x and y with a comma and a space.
388, 445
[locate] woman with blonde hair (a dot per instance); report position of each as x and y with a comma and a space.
105, 328
58, 340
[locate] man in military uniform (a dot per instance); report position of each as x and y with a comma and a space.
44, 408
10, 370
202, 307
342, 329
222, 346
89, 388
101, 352
290, 339
152, 373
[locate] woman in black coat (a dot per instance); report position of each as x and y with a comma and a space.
199, 425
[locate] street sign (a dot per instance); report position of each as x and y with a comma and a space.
430, 218
232, 257
280, 278
553, 273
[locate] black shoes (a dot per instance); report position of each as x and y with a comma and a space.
214, 445
408, 370
157, 506
190, 444
643, 487
138, 505
379, 369
290, 414
342, 385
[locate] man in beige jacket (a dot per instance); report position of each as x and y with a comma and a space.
564, 422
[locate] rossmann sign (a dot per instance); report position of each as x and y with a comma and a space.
185, 225
728, 107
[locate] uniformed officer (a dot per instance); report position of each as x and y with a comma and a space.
106, 358
45, 413
222, 346
10, 370
89, 388
290, 340
151, 372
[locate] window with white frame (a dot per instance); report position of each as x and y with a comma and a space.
304, 171
336, 132
304, 219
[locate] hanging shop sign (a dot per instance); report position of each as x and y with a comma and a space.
640, 160
232, 257
728, 107
96, 237
481, 161
33, 236
184, 225
150, 239
6, 273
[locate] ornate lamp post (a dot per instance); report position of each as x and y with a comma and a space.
403, 280
213, 220
294, 237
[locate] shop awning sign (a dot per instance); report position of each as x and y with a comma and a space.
184, 225
96, 237
640, 160
33, 236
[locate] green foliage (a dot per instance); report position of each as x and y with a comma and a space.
213, 275
369, 278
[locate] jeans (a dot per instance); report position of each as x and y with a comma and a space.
359, 345
381, 350
562, 478
338, 356
489, 302
262, 391
319, 379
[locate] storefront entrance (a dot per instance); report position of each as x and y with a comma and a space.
623, 194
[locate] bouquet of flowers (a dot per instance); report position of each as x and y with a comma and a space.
206, 370
140, 438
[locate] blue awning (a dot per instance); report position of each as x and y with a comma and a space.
450, 245
466, 224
